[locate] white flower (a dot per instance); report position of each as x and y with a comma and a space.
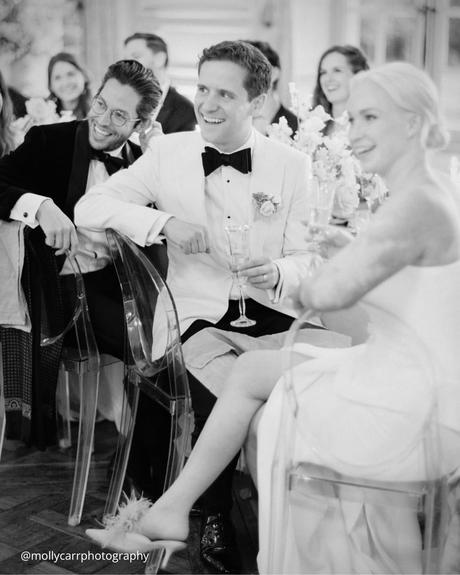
42, 111
267, 208
267, 205
346, 200
39, 111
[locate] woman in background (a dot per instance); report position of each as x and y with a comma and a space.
336, 67
68, 84
6, 117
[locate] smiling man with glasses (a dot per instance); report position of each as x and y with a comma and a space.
41, 181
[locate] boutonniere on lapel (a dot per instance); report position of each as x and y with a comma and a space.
267, 204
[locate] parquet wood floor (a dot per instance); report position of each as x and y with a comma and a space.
34, 499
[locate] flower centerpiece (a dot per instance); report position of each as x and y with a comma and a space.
39, 111
331, 160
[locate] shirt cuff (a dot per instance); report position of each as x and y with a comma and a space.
154, 235
26, 208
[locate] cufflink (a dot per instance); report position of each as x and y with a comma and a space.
25, 215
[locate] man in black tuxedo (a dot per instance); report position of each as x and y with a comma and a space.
41, 181
176, 113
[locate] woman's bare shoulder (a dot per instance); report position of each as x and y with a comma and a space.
428, 215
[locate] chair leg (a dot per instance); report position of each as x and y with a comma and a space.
89, 384
63, 409
128, 419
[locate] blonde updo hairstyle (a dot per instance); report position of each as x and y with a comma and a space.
412, 90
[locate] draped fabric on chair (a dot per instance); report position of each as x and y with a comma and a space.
30, 373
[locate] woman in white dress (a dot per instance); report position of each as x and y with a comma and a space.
366, 404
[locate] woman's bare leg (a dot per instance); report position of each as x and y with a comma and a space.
250, 383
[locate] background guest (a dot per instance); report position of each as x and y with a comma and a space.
69, 86
335, 68
175, 112
273, 109
6, 116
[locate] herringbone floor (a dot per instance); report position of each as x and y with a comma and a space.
34, 499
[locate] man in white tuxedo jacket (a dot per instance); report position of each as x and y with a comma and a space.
200, 182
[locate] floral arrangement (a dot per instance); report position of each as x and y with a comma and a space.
39, 111
267, 204
331, 159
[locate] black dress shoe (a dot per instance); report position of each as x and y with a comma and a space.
218, 549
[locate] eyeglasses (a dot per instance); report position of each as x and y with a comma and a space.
117, 117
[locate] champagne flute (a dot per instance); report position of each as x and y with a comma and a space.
238, 239
320, 200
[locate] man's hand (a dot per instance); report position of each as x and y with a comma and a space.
58, 228
262, 273
191, 238
150, 130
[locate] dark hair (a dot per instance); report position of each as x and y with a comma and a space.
357, 62
84, 100
258, 69
153, 42
269, 53
141, 79
6, 117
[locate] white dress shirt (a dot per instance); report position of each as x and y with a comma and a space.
228, 202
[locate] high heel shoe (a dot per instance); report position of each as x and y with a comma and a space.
131, 542
122, 532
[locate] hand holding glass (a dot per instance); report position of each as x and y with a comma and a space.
238, 238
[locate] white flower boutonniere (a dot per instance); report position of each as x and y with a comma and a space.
267, 204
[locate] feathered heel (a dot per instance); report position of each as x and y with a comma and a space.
122, 531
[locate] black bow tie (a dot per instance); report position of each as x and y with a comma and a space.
112, 163
212, 159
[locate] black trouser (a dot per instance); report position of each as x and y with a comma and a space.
218, 497
105, 306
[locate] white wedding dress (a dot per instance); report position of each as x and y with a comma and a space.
362, 412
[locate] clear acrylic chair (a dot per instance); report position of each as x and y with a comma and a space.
156, 367
81, 359
337, 517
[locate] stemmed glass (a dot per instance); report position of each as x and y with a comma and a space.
320, 200
238, 239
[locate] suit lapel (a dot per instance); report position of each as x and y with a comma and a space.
80, 166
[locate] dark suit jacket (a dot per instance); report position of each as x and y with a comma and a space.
177, 113
53, 161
